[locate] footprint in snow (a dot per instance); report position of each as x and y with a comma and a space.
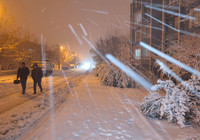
75, 134
108, 134
87, 121
74, 115
115, 119
101, 129
121, 112
130, 121
129, 136
69, 123
92, 135
120, 137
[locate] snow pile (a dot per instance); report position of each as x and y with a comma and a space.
180, 105
113, 76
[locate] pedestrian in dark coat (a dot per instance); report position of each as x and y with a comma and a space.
23, 73
37, 75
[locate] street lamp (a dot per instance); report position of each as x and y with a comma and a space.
61, 54
61, 48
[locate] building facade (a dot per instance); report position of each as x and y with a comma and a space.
160, 23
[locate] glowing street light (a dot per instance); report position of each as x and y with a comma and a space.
61, 48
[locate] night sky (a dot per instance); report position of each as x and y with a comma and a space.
52, 18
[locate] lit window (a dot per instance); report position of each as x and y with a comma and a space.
139, 18
137, 53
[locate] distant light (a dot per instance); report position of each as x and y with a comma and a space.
86, 65
61, 48
93, 66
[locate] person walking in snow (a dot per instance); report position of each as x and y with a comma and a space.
37, 75
23, 73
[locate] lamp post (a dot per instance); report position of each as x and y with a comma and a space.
61, 48
61, 56
2, 11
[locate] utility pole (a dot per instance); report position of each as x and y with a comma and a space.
179, 24
150, 42
163, 26
121, 47
141, 37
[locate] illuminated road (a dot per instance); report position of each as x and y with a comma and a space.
10, 94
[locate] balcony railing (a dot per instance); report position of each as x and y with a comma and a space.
172, 2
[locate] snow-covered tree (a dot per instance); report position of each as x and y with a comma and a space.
180, 105
187, 53
110, 75
118, 46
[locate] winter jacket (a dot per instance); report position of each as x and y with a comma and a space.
36, 74
23, 73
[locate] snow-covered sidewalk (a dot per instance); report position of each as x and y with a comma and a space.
94, 111
19, 113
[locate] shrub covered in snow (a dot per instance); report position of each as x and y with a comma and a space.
180, 105
113, 76
117, 45
187, 53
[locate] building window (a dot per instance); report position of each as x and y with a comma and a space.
146, 33
139, 18
191, 22
145, 53
171, 2
137, 53
176, 22
132, 11
196, 14
137, 36
145, 17
136, 3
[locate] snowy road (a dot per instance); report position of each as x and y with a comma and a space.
91, 111
18, 112
94, 111
10, 94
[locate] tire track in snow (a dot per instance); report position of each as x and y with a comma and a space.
142, 117
11, 105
